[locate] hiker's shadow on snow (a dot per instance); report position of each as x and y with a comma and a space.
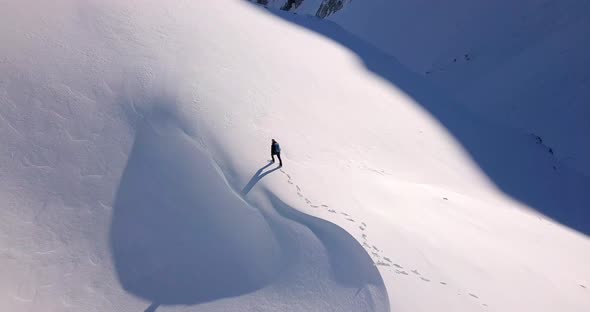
505, 159
178, 233
257, 177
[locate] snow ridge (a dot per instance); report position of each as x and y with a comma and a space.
180, 236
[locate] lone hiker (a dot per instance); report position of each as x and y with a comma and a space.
275, 149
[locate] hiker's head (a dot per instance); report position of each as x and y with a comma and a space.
273, 140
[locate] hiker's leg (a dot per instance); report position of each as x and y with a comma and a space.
273, 157
280, 160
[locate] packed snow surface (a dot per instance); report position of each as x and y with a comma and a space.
135, 174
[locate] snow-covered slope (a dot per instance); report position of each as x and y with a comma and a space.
134, 174
522, 63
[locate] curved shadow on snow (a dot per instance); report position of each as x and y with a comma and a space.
176, 236
181, 235
350, 263
514, 162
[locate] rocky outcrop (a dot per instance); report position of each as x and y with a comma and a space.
329, 7
291, 4
326, 7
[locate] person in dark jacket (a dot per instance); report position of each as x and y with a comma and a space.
275, 149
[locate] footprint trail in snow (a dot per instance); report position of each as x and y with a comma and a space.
379, 259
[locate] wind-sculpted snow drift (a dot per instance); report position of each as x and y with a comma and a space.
181, 235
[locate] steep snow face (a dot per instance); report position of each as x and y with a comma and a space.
522, 63
134, 173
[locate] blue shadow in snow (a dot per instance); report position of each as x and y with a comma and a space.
178, 234
181, 236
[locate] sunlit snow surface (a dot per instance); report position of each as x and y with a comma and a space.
134, 174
